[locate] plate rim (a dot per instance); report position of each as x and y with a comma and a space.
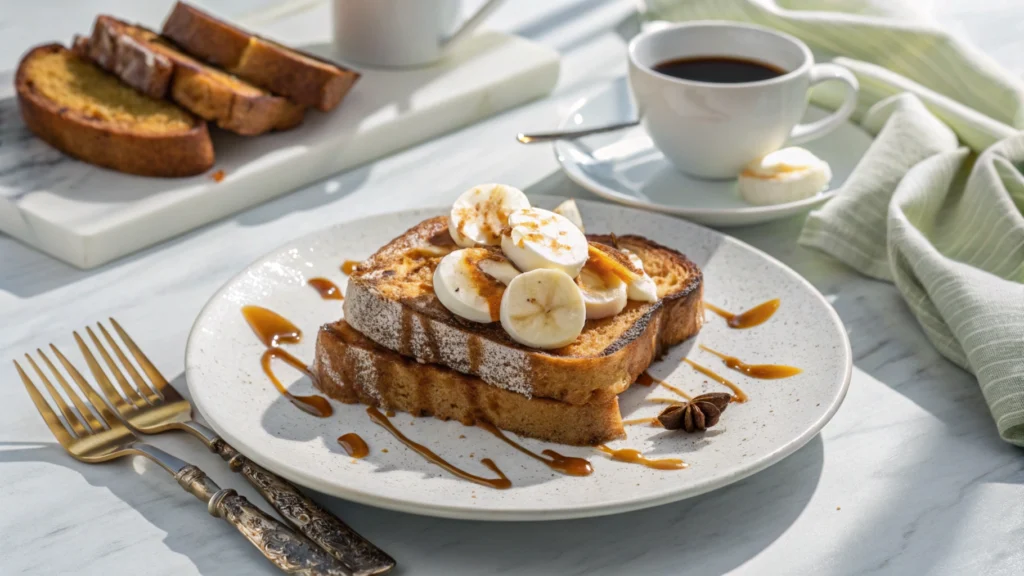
715, 216
304, 479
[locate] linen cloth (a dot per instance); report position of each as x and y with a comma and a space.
935, 206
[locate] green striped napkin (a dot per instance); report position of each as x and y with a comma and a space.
936, 204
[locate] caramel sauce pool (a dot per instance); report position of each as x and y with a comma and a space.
349, 266
501, 482
762, 371
354, 445
748, 319
328, 290
565, 464
738, 395
273, 330
635, 457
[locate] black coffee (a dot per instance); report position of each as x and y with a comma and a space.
719, 69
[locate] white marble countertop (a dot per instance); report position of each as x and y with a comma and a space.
909, 478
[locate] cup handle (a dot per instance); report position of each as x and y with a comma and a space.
823, 73
471, 23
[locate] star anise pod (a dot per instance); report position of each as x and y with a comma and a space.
696, 415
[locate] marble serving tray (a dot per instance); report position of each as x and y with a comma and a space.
87, 216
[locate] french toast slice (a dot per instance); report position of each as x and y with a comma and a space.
353, 369
81, 110
390, 300
299, 76
151, 65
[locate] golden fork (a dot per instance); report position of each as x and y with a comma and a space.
98, 436
157, 407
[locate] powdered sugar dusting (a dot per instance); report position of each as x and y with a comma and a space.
380, 320
366, 372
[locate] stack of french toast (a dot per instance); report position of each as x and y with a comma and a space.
137, 101
505, 313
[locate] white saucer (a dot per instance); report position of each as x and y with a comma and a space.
625, 167
223, 369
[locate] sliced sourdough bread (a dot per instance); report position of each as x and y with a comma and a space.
139, 57
76, 107
390, 299
302, 77
351, 368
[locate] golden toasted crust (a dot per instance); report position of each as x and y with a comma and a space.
77, 108
304, 78
351, 368
138, 57
390, 299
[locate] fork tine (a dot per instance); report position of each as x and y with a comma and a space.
49, 416
113, 398
80, 428
94, 399
155, 376
140, 383
131, 393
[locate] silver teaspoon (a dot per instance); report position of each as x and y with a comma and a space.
572, 134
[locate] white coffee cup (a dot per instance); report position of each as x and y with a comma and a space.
710, 129
401, 33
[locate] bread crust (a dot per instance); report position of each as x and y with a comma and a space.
302, 77
129, 51
605, 361
101, 143
351, 368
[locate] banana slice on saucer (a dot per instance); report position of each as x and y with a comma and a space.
470, 283
536, 238
480, 214
786, 175
543, 309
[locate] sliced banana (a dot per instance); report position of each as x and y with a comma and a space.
470, 283
603, 295
543, 309
572, 212
642, 288
536, 238
481, 213
785, 175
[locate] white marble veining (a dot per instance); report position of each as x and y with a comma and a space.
909, 478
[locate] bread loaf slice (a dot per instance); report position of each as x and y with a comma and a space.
140, 57
302, 77
351, 368
76, 107
390, 300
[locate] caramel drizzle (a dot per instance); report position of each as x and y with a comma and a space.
762, 371
652, 421
748, 319
646, 379
327, 289
273, 330
501, 482
635, 457
738, 395
354, 445
663, 400
565, 464
349, 266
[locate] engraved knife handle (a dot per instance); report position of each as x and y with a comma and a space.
343, 543
290, 552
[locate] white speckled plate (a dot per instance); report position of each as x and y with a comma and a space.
231, 391
625, 167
